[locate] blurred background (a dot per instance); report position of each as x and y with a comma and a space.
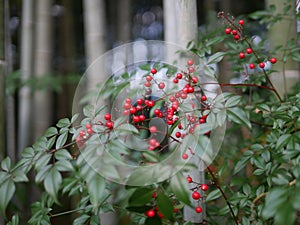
46, 46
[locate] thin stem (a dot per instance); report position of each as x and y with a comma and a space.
222, 192
66, 212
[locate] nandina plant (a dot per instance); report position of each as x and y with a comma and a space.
138, 158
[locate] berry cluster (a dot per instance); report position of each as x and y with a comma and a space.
154, 209
236, 30
196, 195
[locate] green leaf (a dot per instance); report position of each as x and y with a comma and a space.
88, 111
52, 182
96, 186
7, 190
51, 131
63, 154
6, 164
14, 220
180, 188
282, 141
64, 166
275, 201
140, 197
40, 176
65, 122
165, 205
233, 101
74, 117
241, 164
81, 219
61, 140
238, 116
19, 176
42, 161
285, 215
215, 58
213, 195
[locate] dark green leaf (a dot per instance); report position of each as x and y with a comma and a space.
140, 197
180, 188
165, 205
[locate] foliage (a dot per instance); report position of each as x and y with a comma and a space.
253, 181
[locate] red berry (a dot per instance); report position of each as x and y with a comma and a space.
132, 110
175, 80
139, 101
191, 89
142, 117
242, 55
273, 60
90, 131
128, 100
262, 65
190, 62
150, 213
148, 78
88, 126
191, 69
178, 134
153, 71
172, 99
251, 66
154, 194
201, 120
198, 209
242, 22
194, 80
161, 85
189, 179
179, 75
156, 111
82, 133
175, 210
126, 112
152, 129
107, 116
183, 95
227, 30
196, 195
109, 124
185, 156
136, 119
204, 187
160, 215
127, 105
203, 98
234, 32
147, 84
236, 37
249, 50
150, 103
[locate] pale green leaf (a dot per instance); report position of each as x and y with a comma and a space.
52, 182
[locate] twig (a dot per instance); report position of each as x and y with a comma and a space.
222, 192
